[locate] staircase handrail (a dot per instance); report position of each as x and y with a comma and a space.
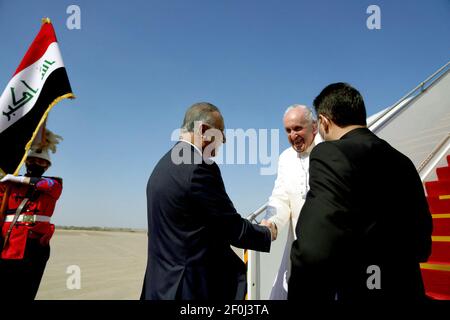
382, 119
437, 151
251, 217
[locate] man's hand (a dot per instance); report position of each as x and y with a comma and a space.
272, 227
14, 179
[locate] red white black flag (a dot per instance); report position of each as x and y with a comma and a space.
38, 84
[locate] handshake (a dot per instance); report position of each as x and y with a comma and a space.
272, 227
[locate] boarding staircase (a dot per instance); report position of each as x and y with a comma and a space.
436, 272
418, 125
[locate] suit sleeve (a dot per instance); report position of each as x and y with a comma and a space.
209, 195
323, 226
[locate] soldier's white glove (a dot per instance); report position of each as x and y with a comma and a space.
13, 178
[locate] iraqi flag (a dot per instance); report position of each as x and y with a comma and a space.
38, 84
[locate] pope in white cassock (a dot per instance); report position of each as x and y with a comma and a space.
291, 185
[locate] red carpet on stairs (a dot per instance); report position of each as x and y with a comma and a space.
436, 272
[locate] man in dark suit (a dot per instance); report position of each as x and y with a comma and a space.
365, 225
192, 222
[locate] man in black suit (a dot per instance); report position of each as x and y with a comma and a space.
192, 222
365, 225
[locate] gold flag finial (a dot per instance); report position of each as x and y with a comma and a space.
46, 20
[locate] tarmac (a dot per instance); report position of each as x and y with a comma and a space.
94, 265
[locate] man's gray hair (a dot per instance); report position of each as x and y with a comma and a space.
202, 111
309, 114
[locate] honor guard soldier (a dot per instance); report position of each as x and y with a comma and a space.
26, 229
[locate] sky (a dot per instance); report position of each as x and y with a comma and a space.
136, 66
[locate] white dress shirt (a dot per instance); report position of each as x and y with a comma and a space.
195, 147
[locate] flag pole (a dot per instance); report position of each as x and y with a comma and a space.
3, 207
